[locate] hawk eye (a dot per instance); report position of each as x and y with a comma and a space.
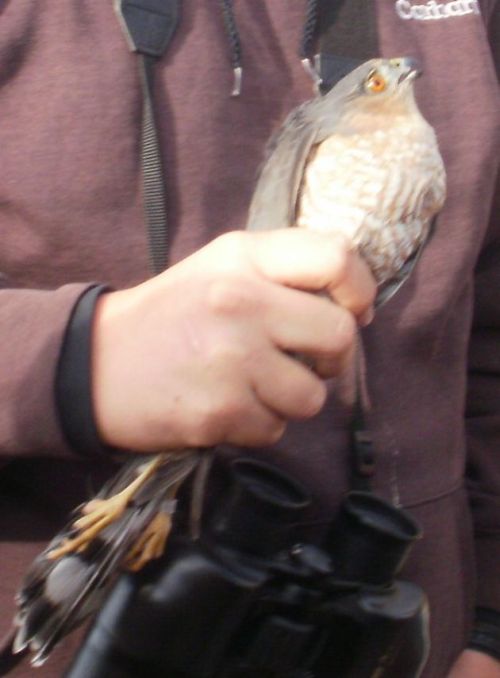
376, 83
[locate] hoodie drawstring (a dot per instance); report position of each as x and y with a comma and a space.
234, 43
306, 46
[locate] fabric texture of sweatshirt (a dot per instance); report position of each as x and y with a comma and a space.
71, 216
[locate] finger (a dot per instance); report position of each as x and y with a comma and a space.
334, 367
259, 426
314, 261
236, 415
356, 288
288, 387
301, 322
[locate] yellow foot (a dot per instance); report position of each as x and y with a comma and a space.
150, 544
99, 513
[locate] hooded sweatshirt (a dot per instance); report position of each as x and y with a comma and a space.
71, 215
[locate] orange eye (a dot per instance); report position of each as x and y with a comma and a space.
376, 83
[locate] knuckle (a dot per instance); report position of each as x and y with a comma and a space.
200, 434
313, 399
217, 418
233, 243
268, 432
344, 332
275, 432
369, 295
333, 258
338, 257
204, 430
372, 293
229, 296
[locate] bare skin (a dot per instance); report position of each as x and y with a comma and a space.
201, 354
473, 664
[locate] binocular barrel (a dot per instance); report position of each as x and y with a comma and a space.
242, 603
191, 602
370, 539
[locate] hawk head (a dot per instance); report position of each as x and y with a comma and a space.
379, 87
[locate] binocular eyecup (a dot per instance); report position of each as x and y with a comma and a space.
246, 601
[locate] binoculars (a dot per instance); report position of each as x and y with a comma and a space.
245, 600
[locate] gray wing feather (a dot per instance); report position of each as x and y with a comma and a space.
389, 289
275, 196
274, 201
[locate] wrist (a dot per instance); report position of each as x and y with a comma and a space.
105, 345
73, 390
485, 636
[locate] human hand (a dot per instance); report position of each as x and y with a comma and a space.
200, 354
474, 664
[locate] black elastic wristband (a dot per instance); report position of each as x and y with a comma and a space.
73, 388
485, 636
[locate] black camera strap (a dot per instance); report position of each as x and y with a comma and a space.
149, 26
362, 453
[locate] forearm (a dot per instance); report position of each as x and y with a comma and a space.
32, 327
473, 664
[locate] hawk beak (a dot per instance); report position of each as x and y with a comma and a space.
410, 69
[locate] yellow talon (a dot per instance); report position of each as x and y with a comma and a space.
150, 544
99, 513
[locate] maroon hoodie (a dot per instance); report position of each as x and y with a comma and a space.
71, 214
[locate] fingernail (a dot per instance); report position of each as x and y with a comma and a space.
367, 317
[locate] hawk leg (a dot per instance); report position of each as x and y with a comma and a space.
99, 513
151, 543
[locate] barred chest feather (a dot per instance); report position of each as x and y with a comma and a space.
381, 189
